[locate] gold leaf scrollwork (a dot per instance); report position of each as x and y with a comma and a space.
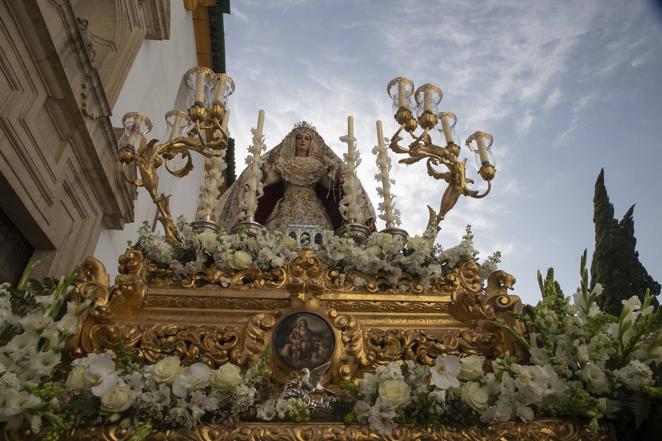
468, 274
210, 344
96, 327
130, 288
482, 311
383, 346
351, 334
254, 339
209, 275
305, 275
256, 279
336, 281
536, 430
160, 277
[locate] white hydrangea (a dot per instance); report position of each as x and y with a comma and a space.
635, 375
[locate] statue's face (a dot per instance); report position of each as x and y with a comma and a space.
302, 143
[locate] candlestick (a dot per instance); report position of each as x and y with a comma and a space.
423, 147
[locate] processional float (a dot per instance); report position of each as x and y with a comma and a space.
223, 314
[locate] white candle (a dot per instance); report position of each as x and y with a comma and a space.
448, 134
482, 150
260, 122
380, 135
350, 129
427, 99
176, 127
219, 93
350, 212
200, 86
382, 163
402, 100
254, 187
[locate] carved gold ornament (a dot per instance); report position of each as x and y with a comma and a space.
200, 318
536, 430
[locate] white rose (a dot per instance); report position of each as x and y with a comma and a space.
117, 398
241, 260
475, 396
77, 379
289, 242
396, 393
471, 367
383, 239
207, 240
374, 250
226, 378
166, 370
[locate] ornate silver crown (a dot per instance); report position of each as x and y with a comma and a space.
305, 125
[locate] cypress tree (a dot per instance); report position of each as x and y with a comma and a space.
616, 264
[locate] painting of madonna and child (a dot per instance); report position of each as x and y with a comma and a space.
304, 340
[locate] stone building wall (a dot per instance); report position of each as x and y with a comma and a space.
153, 86
63, 65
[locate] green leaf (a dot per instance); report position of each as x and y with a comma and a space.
639, 404
653, 391
22, 283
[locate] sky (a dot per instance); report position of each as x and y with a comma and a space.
565, 87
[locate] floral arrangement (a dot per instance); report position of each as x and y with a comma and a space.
382, 253
350, 204
255, 188
388, 212
581, 362
36, 321
210, 188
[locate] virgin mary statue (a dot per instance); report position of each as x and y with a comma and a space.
302, 179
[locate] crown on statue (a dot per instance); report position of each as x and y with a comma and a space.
305, 125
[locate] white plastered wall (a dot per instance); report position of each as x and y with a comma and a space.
152, 88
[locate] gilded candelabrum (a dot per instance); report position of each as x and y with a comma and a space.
203, 129
427, 98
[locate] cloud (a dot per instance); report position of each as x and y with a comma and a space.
524, 124
505, 67
552, 99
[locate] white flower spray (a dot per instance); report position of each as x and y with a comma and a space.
350, 205
254, 189
210, 190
